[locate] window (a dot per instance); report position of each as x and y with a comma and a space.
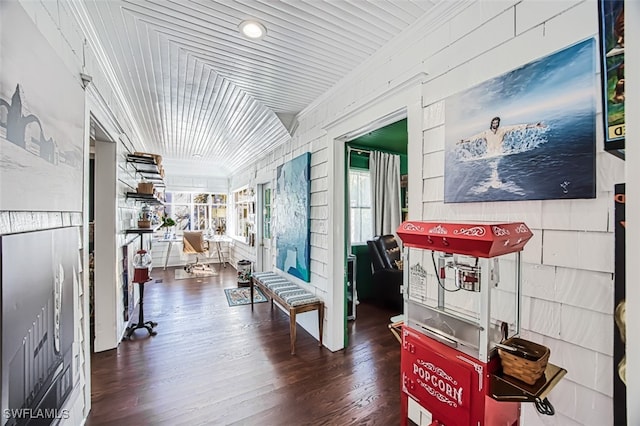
243, 203
266, 231
360, 205
197, 211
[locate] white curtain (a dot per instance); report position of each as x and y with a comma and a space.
385, 192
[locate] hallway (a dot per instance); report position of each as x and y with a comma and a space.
212, 364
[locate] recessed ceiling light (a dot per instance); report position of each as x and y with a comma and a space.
252, 29
197, 155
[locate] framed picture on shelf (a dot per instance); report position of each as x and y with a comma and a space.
611, 14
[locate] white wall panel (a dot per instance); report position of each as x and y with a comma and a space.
530, 417
319, 267
433, 115
433, 140
319, 199
593, 408
319, 185
532, 252
531, 13
433, 189
564, 399
585, 289
319, 171
576, 24
545, 318
433, 165
610, 171
560, 248
596, 251
320, 254
319, 212
588, 329
5, 222
603, 377
591, 215
538, 281
477, 14
486, 37
556, 214
318, 240
319, 226
319, 157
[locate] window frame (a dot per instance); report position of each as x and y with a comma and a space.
197, 209
362, 173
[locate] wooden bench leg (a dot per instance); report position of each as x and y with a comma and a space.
320, 322
292, 329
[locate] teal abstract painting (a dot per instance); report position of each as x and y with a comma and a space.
292, 198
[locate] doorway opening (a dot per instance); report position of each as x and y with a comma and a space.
264, 257
360, 227
102, 238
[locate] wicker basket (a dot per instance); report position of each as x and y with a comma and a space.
528, 363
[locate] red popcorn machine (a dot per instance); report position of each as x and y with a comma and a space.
462, 303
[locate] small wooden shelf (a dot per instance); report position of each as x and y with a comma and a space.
506, 388
147, 198
140, 230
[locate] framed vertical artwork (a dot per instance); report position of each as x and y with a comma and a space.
39, 274
528, 134
611, 13
293, 222
41, 121
620, 312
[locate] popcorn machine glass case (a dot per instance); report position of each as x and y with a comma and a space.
463, 284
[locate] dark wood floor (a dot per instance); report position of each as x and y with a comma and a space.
212, 364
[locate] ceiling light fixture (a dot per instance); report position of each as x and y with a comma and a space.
253, 30
197, 155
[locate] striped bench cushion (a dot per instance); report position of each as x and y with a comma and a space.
261, 275
291, 293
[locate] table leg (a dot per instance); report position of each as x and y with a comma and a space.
220, 257
166, 259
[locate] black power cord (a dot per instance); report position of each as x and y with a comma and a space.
544, 407
440, 283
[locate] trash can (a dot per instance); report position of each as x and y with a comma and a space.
244, 273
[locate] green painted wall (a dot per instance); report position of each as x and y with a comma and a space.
363, 272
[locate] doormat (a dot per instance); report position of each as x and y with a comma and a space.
181, 274
240, 296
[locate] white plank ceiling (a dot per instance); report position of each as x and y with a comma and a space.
199, 92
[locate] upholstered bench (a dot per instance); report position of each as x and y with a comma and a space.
291, 297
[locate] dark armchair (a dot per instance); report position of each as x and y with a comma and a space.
387, 273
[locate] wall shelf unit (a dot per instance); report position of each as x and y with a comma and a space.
147, 167
147, 170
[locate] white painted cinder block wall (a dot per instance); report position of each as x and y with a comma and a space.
568, 274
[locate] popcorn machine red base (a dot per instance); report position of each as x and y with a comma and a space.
451, 371
452, 386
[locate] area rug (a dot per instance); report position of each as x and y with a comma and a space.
237, 296
181, 274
